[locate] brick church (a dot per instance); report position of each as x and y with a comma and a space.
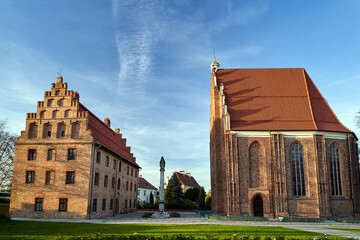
70, 164
277, 149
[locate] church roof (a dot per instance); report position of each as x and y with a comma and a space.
143, 183
275, 99
187, 180
106, 136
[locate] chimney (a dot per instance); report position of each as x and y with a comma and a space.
188, 174
182, 171
167, 179
117, 130
107, 122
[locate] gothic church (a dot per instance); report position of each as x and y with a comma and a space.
277, 149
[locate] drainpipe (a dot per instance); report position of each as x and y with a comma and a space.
115, 186
93, 174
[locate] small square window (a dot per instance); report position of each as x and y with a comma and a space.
63, 204
32, 154
70, 177
38, 204
71, 154
30, 176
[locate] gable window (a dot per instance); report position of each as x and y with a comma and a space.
33, 129
38, 204
50, 154
61, 102
54, 114
47, 130
107, 161
71, 154
335, 176
96, 181
298, 175
105, 181
66, 113
42, 114
31, 154
98, 155
30, 176
49, 102
63, 204
70, 177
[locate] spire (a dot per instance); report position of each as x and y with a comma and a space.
214, 65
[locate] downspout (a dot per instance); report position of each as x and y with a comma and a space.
92, 175
115, 186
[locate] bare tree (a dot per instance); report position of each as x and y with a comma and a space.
7, 148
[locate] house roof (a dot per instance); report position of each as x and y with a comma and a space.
275, 99
143, 183
106, 136
187, 180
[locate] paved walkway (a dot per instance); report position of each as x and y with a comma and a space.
192, 218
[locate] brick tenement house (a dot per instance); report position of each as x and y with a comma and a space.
277, 148
70, 164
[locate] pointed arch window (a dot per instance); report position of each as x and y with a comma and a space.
335, 177
298, 175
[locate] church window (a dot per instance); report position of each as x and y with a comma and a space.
33, 128
256, 165
75, 131
298, 175
335, 170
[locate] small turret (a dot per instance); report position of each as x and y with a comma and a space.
214, 66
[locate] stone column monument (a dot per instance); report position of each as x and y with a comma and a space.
161, 188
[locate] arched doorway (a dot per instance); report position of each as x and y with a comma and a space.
258, 206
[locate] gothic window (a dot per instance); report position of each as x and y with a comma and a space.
61, 130
54, 114
49, 102
335, 177
298, 175
42, 114
47, 130
33, 129
75, 131
256, 166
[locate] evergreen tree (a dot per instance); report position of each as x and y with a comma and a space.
202, 197
192, 194
173, 193
208, 202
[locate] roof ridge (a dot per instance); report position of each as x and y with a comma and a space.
309, 99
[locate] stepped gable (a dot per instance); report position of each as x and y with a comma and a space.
187, 180
106, 136
275, 99
143, 183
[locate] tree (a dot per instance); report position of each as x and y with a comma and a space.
173, 193
151, 198
202, 197
7, 149
208, 202
192, 194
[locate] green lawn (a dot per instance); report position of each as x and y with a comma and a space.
347, 229
49, 230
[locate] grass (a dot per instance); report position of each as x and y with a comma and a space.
51, 230
348, 229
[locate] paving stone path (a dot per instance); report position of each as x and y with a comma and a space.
192, 218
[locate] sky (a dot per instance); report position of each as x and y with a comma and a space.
146, 64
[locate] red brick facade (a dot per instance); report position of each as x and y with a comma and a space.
253, 171
58, 157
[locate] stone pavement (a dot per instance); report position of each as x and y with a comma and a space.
192, 218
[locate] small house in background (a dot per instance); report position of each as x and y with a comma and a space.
144, 191
186, 180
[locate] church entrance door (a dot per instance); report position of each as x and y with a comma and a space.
258, 206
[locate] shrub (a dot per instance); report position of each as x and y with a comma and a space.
4, 217
147, 215
174, 214
187, 204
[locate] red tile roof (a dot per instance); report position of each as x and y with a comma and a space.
187, 180
143, 183
106, 136
275, 99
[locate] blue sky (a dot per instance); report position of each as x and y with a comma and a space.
145, 64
